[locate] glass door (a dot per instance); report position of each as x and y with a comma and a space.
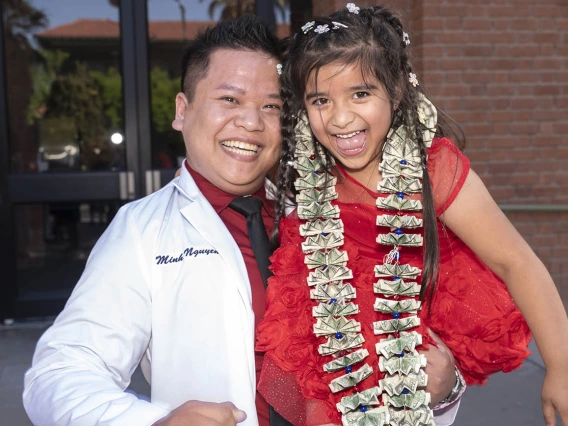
69, 140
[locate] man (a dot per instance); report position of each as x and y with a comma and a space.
173, 282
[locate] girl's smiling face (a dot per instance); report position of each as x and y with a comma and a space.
350, 114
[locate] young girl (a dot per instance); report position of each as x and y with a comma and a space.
398, 237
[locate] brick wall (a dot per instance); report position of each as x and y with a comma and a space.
500, 69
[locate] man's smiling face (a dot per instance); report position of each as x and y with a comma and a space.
231, 128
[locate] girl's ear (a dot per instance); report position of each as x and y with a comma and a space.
182, 105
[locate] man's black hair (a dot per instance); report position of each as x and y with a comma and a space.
245, 33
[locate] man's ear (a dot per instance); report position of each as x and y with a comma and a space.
182, 106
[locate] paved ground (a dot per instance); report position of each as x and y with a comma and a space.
508, 400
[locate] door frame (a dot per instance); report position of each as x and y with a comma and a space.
8, 288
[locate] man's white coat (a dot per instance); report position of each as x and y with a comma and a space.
165, 284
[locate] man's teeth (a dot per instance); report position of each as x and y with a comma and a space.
350, 135
239, 147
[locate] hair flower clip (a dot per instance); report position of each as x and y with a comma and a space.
337, 25
320, 29
405, 38
413, 80
352, 8
308, 26
279, 69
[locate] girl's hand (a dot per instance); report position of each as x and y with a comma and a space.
555, 396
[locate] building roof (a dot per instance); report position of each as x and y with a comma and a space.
83, 28
158, 30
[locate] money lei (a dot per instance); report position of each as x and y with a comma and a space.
404, 403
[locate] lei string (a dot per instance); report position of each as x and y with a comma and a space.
399, 399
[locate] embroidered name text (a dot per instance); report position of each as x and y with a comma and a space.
188, 252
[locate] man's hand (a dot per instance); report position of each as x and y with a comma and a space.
440, 369
199, 413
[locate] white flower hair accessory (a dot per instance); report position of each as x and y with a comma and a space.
323, 28
308, 26
337, 25
412, 79
279, 69
405, 38
352, 8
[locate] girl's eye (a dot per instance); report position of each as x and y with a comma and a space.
360, 95
278, 107
320, 101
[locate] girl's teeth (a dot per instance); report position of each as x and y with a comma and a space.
350, 135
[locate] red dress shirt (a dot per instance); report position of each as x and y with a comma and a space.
236, 223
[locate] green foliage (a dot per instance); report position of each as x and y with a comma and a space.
43, 76
166, 142
102, 88
163, 93
110, 83
92, 102
78, 95
72, 88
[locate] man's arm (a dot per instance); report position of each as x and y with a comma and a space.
83, 363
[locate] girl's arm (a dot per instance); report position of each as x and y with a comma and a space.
477, 220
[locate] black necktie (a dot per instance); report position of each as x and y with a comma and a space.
250, 207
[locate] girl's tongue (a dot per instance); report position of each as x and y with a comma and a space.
353, 145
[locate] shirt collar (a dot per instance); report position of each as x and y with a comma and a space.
220, 199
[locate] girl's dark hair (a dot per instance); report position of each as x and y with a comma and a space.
373, 39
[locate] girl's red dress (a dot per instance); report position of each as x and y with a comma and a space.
471, 310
